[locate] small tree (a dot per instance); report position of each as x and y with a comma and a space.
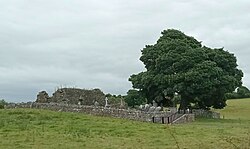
134, 98
114, 99
2, 103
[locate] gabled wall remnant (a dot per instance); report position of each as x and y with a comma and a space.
43, 97
73, 96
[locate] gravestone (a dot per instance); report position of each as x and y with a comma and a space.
142, 107
151, 109
155, 103
80, 100
147, 107
106, 102
122, 105
157, 109
96, 104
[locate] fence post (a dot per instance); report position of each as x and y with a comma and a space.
162, 119
153, 119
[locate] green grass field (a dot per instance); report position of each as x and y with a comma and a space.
237, 109
42, 129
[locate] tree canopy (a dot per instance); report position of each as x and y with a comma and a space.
179, 64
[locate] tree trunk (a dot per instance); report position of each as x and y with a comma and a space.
183, 104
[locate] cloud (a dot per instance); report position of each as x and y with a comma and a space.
45, 44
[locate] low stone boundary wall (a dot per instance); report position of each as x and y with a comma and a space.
185, 119
205, 113
131, 114
93, 110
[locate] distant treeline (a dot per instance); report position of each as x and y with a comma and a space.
241, 92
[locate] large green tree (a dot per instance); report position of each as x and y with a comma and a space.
179, 64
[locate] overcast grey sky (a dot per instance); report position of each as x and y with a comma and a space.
46, 44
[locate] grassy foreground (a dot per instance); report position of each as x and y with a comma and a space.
42, 129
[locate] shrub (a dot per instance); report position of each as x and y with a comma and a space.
2, 103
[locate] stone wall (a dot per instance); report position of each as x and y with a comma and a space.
132, 114
205, 113
94, 110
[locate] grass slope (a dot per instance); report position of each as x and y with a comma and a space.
237, 109
42, 129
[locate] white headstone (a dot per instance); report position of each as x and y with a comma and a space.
96, 104
155, 103
106, 102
